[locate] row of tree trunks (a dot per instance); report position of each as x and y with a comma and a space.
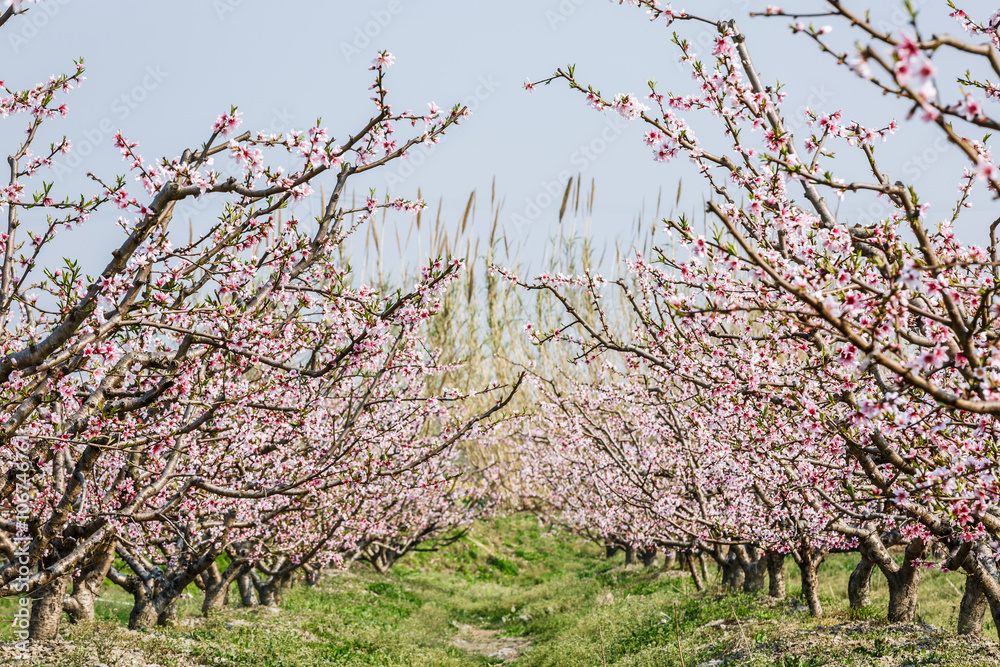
155, 601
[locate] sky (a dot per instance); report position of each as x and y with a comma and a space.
162, 72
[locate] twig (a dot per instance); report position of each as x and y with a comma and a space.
746, 642
677, 631
604, 658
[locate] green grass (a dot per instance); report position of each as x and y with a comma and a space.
508, 583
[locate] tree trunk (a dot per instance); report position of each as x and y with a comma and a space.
79, 605
975, 601
283, 585
704, 566
270, 591
750, 560
168, 617
629, 554
247, 592
732, 570
669, 560
972, 610
858, 585
809, 560
610, 549
148, 611
217, 586
47, 609
692, 566
157, 592
215, 599
648, 557
144, 614
904, 584
776, 575
810, 587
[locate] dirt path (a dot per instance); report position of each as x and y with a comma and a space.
490, 644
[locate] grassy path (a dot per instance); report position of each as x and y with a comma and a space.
509, 594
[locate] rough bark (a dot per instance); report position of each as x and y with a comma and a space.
87, 584
155, 591
776, 575
168, 617
904, 584
809, 559
47, 609
972, 610
248, 597
974, 600
982, 567
144, 614
648, 557
733, 576
217, 586
751, 562
271, 590
858, 586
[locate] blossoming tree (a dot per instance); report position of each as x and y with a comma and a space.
204, 391
878, 337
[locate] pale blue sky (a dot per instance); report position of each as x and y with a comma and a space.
163, 71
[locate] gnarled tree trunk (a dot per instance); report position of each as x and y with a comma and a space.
974, 601
47, 609
731, 568
809, 559
751, 562
270, 591
168, 617
858, 585
904, 584
903, 580
248, 594
776, 575
217, 586
972, 610
79, 605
